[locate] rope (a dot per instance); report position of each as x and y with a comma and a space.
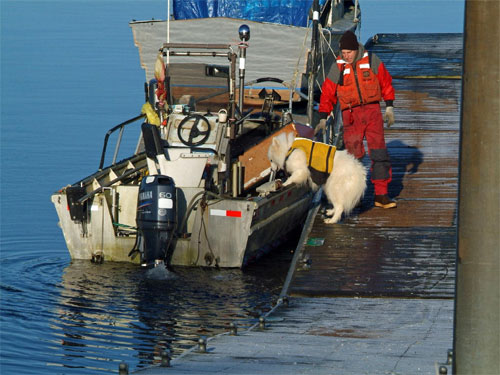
328, 43
124, 226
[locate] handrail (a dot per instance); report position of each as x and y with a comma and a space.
306, 229
111, 131
196, 45
196, 53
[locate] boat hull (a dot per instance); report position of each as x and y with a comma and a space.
235, 232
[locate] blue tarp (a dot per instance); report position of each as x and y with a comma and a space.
286, 12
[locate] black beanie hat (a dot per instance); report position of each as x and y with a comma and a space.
349, 41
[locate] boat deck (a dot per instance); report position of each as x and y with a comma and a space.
374, 293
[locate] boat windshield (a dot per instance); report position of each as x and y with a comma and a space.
206, 84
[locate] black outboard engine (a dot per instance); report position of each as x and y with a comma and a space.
156, 218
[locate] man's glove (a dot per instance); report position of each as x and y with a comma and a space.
320, 127
389, 115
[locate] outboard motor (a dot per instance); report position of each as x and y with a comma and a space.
156, 218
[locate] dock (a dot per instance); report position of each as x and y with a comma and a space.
373, 294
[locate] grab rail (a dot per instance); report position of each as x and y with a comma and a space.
306, 229
118, 142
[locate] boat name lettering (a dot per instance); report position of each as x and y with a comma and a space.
146, 195
149, 195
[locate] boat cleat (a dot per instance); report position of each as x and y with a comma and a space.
97, 257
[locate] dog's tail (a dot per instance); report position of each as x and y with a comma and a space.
347, 182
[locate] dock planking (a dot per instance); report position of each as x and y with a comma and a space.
408, 251
378, 262
324, 336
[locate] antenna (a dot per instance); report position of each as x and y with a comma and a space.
168, 29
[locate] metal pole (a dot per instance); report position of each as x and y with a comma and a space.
244, 34
313, 66
476, 334
168, 29
243, 52
118, 143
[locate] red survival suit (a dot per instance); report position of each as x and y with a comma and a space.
359, 87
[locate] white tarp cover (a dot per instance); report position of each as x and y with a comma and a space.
274, 50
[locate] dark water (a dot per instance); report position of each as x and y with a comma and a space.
79, 318
70, 71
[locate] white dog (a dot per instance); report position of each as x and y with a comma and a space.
344, 187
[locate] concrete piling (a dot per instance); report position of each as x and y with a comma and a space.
477, 313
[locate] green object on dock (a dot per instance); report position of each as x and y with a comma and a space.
315, 242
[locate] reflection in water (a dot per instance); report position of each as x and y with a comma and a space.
115, 312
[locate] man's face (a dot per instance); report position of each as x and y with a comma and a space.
348, 55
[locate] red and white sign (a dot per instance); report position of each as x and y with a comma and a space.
227, 213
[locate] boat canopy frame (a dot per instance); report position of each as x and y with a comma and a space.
213, 50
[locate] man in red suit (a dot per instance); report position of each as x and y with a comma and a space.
359, 81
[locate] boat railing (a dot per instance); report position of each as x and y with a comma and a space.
209, 46
121, 128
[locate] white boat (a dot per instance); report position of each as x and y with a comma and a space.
197, 191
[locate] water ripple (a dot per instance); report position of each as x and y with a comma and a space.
77, 317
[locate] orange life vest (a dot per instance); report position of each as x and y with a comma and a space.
360, 84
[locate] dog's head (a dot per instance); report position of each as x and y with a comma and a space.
278, 149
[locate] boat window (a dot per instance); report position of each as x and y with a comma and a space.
217, 71
210, 80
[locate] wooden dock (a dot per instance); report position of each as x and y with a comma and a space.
374, 293
408, 251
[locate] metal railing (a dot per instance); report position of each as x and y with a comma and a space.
118, 142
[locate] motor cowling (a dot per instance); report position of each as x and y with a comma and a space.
156, 217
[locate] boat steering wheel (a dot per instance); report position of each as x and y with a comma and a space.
199, 123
